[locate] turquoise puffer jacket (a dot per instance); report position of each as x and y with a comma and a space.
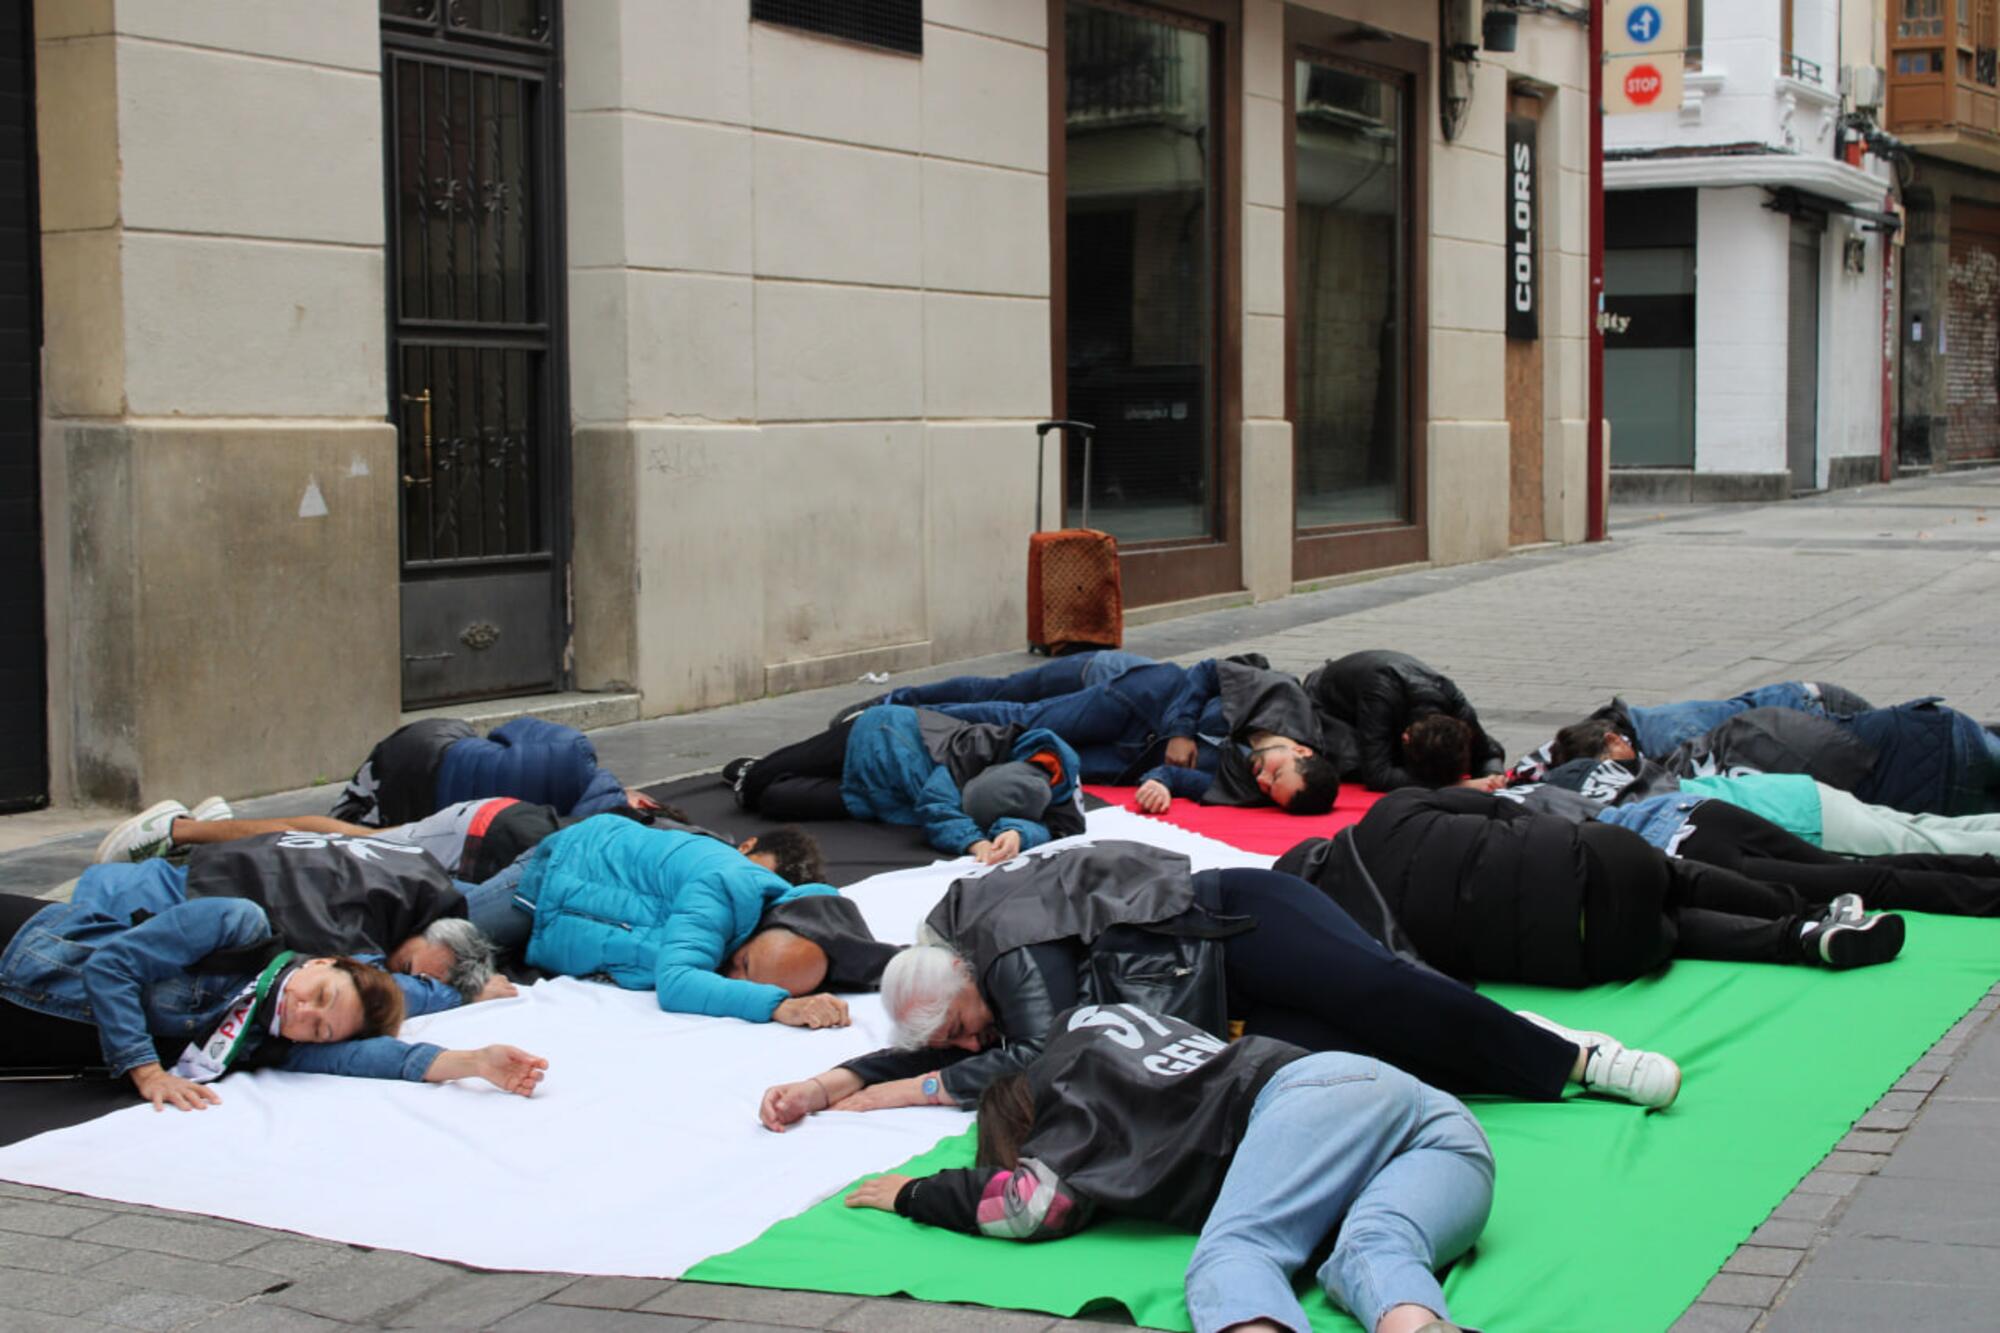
653, 907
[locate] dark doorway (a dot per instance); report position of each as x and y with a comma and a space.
476, 364
1802, 358
24, 741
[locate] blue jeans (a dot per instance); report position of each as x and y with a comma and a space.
1337, 1139
503, 913
1662, 727
1064, 675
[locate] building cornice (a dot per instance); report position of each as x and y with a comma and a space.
1815, 175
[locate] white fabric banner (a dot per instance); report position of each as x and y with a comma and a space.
640, 1155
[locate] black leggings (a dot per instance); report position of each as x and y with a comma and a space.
1735, 839
801, 780
29, 1040
1642, 905
1308, 975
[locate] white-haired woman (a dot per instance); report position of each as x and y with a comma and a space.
1245, 946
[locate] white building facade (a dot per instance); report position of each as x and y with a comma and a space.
1747, 234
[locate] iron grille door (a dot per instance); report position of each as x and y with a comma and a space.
24, 753
474, 266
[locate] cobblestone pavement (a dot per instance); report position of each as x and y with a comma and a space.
1891, 591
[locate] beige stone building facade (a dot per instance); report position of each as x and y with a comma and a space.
395, 352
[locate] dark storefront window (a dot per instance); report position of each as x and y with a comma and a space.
1649, 266
1141, 270
1351, 200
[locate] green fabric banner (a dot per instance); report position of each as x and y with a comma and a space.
1604, 1216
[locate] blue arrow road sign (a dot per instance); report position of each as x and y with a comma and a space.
1643, 23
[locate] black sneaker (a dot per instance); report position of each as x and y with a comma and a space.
1840, 944
733, 771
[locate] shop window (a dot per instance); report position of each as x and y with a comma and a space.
1141, 269
1351, 221
894, 25
1649, 301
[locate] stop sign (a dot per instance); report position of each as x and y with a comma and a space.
1642, 84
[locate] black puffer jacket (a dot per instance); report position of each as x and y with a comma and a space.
1378, 694
1486, 889
1110, 923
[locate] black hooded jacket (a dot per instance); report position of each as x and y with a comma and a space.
1378, 694
1106, 923
1256, 699
1135, 1112
1486, 889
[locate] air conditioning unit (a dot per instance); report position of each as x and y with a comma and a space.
1862, 85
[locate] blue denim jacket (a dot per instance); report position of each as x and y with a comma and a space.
119, 890
134, 983
1660, 820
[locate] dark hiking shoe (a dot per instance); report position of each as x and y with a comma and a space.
1839, 944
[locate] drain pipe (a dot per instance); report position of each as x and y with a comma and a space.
1594, 522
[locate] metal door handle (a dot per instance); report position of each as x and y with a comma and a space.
429, 470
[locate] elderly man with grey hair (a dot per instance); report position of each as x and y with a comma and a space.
327, 894
1120, 922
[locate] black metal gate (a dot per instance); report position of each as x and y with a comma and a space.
24, 746
473, 111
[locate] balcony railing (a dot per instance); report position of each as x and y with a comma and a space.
1795, 66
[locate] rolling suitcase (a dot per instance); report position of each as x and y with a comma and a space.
1074, 600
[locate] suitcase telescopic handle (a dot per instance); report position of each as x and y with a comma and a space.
1083, 428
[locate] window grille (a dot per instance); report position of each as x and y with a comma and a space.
894, 25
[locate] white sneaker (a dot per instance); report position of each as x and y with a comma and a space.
1616, 1070
212, 808
145, 835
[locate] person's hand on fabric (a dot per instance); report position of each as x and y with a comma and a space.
508, 1068
788, 1103
498, 988
1491, 782
1182, 752
885, 1096
812, 1011
880, 1192
1153, 798
162, 1089
1003, 848
638, 800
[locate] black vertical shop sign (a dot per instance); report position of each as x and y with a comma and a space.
1524, 278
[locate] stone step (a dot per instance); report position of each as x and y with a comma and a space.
573, 708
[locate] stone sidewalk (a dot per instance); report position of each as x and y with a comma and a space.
1890, 591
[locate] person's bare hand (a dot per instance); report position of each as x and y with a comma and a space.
1491, 782
1153, 797
162, 1089
638, 800
788, 1103
812, 1011
496, 988
880, 1192
1182, 752
1003, 848
510, 1069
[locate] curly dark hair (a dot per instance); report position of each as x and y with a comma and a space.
799, 860
1438, 751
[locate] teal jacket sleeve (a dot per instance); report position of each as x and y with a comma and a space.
946, 825
1032, 834
697, 938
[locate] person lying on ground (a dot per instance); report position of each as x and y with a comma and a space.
1486, 888
683, 915
1790, 829
1208, 732
1377, 696
1211, 1134
422, 767
1120, 922
179, 999
1657, 730
1918, 757
975, 789
473, 840
383, 902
